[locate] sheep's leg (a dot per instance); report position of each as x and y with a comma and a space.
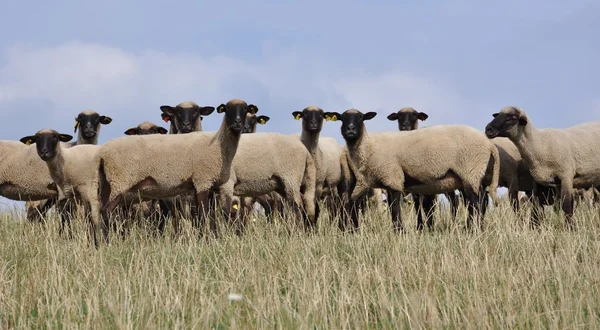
473, 201
566, 194
418, 201
482, 205
107, 210
428, 202
92, 214
202, 207
537, 209
513, 195
396, 200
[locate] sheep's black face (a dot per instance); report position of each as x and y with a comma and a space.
186, 120
407, 120
146, 130
249, 125
352, 122
46, 143
252, 121
89, 124
312, 120
505, 123
235, 114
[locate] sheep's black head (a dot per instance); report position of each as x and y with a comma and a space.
235, 114
88, 122
352, 122
312, 118
506, 123
185, 116
252, 120
146, 128
46, 142
408, 118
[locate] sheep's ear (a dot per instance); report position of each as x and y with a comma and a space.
28, 140
167, 109
298, 114
369, 115
495, 115
65, 137
205, 111
105, 120
166, 117
333, 116
76, 125
393, 116
162, 130
252, 108
131, 131
221, 108
422, 116
522, 121
263, 119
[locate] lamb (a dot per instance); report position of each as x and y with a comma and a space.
561, 158
161, 166
290, 171
185, 117
431, 160
72, 170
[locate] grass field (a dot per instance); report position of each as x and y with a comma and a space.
504, 277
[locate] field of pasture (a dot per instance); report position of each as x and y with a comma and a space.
504, 277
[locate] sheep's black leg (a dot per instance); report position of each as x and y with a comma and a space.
202, 207
396, 200
418, 202
427, 204
566, 194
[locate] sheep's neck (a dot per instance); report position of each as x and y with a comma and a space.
56, 167
527, 143
310, 141
227, 143
358, 149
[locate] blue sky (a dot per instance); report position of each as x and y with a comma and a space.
458, 61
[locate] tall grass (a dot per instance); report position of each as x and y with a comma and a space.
506, 276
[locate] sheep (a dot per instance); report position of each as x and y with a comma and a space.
146, 208
562, 158
72, 170
290, 171
88, 123
269, 201
184, 118
431, 160
325, 152
161, 166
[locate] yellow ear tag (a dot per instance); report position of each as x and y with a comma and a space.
28, 142
235, 207
328, 118
298, 116
262, 121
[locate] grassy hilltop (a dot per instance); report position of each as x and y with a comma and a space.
504, 277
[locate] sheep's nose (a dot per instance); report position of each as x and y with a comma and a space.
351, 126
186, 123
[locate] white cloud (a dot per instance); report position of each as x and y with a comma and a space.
131, 86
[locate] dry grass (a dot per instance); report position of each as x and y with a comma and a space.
505, 277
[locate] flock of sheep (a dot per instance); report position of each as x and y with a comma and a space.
189, 170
